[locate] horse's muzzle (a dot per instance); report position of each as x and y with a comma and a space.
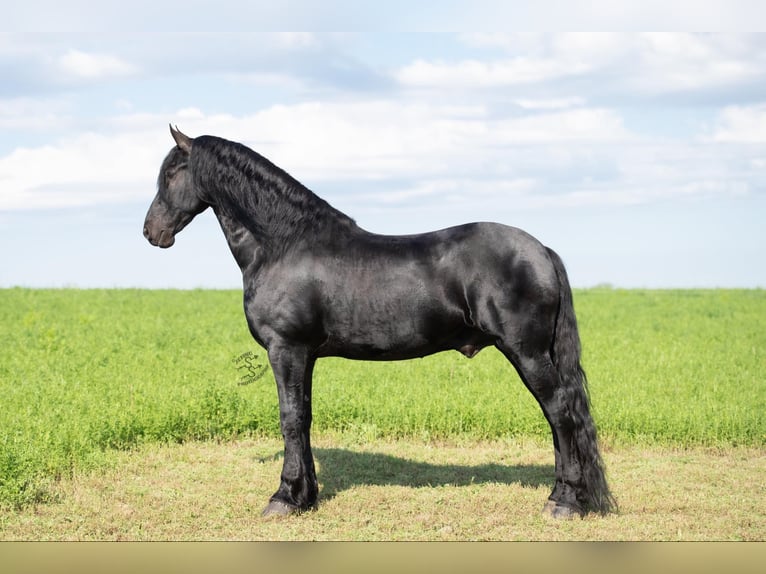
164, 239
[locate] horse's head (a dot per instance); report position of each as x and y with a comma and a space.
176, 202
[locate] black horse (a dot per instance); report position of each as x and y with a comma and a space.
317, 285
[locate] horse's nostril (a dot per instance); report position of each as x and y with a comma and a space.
146, 232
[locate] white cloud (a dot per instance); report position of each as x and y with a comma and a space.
618, 64
551, 156
315, 141
369, 139
88, 168
93, 66
688, 62
430, 146
388, 139
741, 124
578, 125
472, 74
34, 114
550, 103
536, 57
453, 190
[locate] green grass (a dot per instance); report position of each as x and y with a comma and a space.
85, 372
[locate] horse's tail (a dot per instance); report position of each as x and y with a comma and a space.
566, 358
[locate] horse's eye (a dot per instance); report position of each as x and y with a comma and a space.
169, 175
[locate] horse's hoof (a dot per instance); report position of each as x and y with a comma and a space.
279, 508
558, 511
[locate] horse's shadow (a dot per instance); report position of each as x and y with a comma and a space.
341, 469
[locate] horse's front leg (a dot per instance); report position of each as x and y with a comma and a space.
293, 367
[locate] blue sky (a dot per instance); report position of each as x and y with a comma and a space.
640, 158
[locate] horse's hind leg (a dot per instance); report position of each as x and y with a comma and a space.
541, 377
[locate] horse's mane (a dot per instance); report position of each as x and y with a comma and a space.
273, 205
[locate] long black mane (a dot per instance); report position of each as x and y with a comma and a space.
276, 208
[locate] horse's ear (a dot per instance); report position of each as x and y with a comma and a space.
182, 141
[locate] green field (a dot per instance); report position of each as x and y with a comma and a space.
84, 372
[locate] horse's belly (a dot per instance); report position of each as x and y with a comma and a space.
394, 328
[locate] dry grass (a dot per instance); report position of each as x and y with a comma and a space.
399, 491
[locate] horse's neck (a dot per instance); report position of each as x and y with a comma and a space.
242, 243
